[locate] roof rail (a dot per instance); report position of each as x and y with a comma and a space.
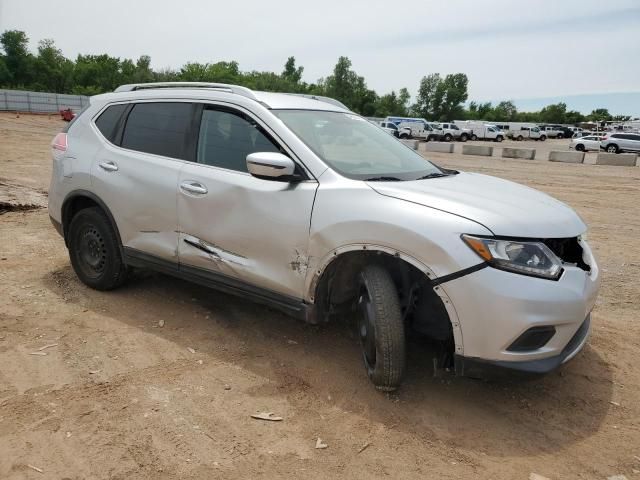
320, 98
238, 90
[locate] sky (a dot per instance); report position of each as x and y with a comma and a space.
510, 49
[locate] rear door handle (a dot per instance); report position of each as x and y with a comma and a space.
194, 188
108, 166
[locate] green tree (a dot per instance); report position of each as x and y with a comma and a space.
555, 113
455, 88
504, 111
16, 57
292, 73
430, 96
54, 70
599, 114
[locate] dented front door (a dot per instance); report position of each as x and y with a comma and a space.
247, 228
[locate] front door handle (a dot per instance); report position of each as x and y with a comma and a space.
108, 166
195, 188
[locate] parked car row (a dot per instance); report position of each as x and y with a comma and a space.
608, 142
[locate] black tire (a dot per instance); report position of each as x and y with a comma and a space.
474, 137
560, 136
448, 137
381, 328
404, 136
580, 147
464, 137
520, 138
94, 250
499, 138
612, 148
543, 138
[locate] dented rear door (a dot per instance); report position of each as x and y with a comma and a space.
233, 224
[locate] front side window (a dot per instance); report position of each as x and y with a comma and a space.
226, 138
354, 148
158, 128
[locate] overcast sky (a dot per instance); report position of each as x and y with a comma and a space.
508, 48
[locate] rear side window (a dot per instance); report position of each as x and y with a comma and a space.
227, 138
108, 121
158, 128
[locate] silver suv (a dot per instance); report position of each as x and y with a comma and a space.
620, 142
302, 205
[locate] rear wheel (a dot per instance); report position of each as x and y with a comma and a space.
612, 148
94, 250
520, 138
474, 137
560, 136
381, 328
448, 137
464, 137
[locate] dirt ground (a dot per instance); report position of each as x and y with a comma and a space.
92, 387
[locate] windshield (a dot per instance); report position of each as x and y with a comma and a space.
354, 148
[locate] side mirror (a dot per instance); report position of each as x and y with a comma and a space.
270, 165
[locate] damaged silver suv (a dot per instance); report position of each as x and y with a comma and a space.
298, 203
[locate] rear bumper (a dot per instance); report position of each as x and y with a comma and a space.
480, 368
57, 225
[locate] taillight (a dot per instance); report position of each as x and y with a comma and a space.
60, 142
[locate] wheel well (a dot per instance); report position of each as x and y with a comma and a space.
423, 310
83, 200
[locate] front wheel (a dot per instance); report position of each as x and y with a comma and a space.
381, 328
404, 136
520, 138
94, 250
580, 147
543, 138
499, 139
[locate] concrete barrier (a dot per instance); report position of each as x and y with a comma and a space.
566, 157
525, 153
619, 159
412, 144
477, 150
444, 147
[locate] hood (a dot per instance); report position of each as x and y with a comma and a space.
506, 208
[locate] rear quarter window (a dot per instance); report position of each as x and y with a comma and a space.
109, 120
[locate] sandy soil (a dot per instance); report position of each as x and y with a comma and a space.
117, 396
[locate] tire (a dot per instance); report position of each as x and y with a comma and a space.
464, 137
94, 250
543, 138
612, 148
580, 147
560, 136
448, 137
381, 328
499, 138
520, 138
474, 137
404, 136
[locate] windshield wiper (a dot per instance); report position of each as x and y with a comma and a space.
383, 179
434, 175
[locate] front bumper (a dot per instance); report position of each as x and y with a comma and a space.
479, 368
494, 308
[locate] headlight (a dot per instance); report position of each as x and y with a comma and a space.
527, 258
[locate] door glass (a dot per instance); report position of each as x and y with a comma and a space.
227, 138
108, 121
158, 128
